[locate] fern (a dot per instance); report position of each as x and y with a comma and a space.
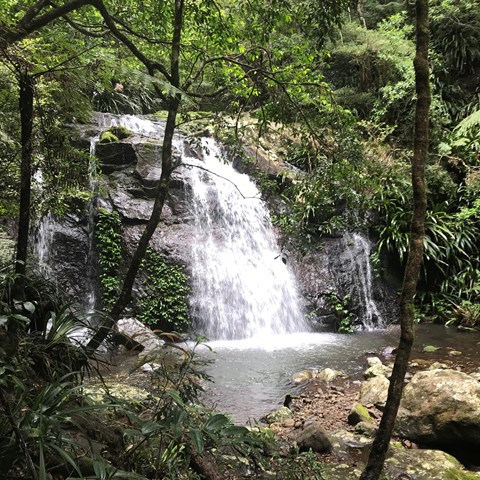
467, 124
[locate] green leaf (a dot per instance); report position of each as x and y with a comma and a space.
197, 440
29, 306
175, 397
216, 422
150, 427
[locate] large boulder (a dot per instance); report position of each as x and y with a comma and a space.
421, 464
313, 437
441, 407
374, 391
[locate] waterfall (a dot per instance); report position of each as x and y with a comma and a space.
134, 123
42, 244
241, 287
358, 249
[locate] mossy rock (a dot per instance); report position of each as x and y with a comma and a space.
430, 348
358, 414
279, 415
114, 134
426, 465
122, 391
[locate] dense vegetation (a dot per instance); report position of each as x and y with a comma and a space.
335, 79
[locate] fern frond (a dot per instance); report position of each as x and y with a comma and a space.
472, 121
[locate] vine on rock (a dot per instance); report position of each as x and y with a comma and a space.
109, 244
165, 305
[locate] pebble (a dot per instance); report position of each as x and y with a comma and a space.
289, 423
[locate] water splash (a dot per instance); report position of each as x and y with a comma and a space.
241, 287
358, 248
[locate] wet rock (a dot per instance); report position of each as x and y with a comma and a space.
374, 391
138, 334
331, 271
115, 156
304, 376
313, 437
358, 414
328, 375
131, 209
441, 407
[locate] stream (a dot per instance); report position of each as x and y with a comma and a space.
251, 377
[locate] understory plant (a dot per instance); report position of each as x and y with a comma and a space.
345, 317
109, 247
450, 274
164, 303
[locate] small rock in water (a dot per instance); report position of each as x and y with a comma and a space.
328, 375
304, 376
430, 348
454, 353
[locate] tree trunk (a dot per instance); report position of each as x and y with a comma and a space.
163, 188
382, 439
26, 124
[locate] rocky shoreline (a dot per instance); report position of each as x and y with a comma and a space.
337, 417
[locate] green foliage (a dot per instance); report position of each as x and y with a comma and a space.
455, 32
450, 273
345, 317
109, 246
165, 303
329, 196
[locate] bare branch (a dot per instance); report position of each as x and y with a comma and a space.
219, 176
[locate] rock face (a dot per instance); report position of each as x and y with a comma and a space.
334, 271
442, 408
64, 251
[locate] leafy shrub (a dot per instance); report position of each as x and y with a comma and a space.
109, 246
165, 303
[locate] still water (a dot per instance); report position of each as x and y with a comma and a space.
251, 377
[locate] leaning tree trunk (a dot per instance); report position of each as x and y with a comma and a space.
26, 84
382, 439
167, 168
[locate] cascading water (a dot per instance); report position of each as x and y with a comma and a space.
241, 287
358, 248
134, 123
43, 243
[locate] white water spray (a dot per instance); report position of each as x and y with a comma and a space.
241, 287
